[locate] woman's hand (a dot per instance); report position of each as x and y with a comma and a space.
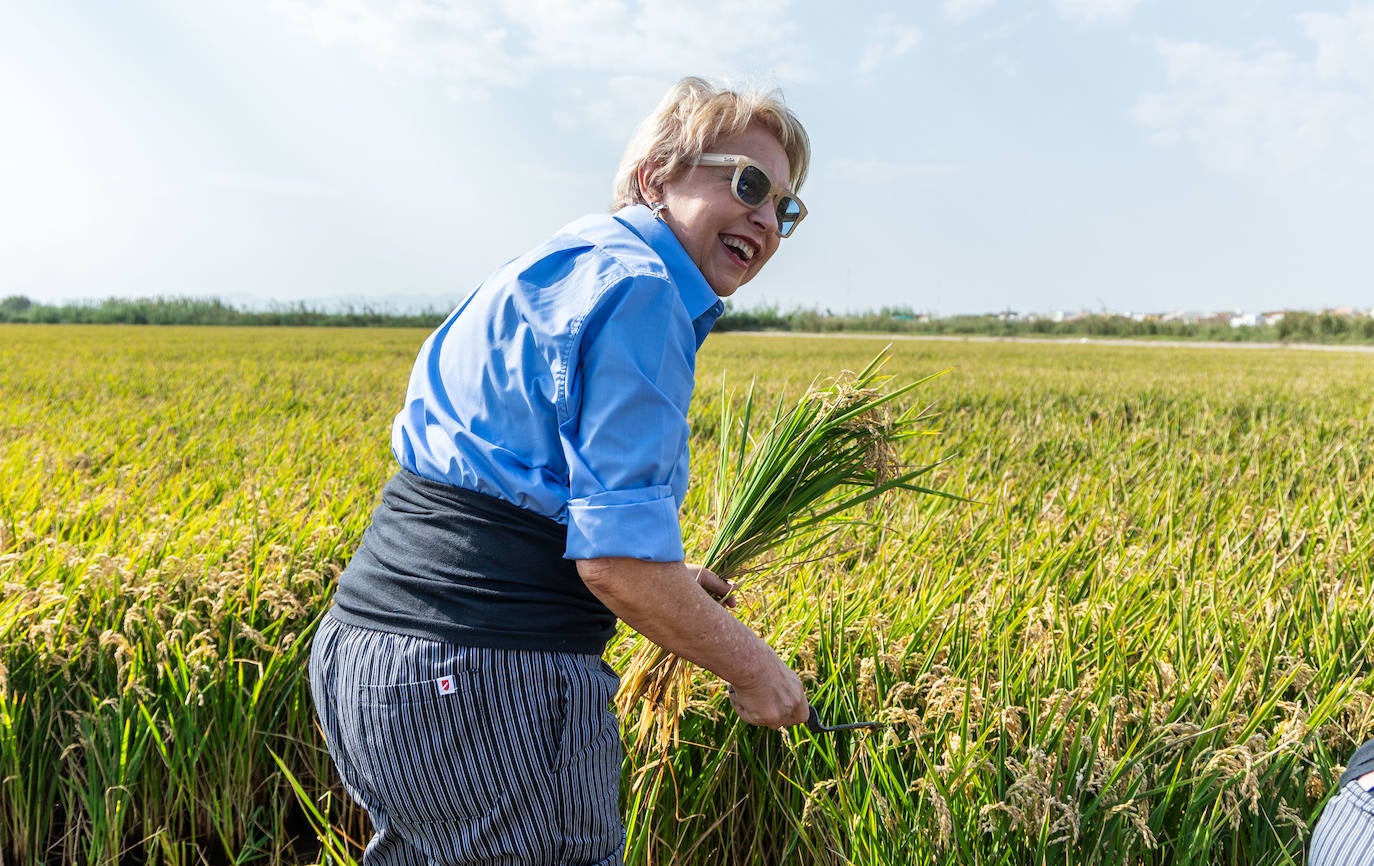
775, 699
719, 588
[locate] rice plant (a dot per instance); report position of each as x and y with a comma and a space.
1148, 642
832, 450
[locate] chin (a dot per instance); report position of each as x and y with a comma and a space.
735, 285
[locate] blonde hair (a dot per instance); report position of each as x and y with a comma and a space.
691, 118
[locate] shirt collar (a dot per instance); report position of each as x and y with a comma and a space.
697, 295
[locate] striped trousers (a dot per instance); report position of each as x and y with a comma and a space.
1344, 835
467, 755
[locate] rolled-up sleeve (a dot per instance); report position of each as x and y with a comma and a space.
638, 523
625, 431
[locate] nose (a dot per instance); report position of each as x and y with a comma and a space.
765, 216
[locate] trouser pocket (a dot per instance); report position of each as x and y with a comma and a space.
430, 750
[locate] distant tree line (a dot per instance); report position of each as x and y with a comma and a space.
1294, 327
204, 311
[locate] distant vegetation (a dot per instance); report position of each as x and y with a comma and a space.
1296, 327
203, 311
1293, 327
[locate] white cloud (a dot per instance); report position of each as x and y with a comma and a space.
662, 38
465, 45
1295, 126
1092, 11
889, 40
964, 10
1345, 45
476, 46
607, 61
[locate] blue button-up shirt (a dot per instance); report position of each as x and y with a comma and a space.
562, 384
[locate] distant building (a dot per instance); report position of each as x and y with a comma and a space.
1186, 317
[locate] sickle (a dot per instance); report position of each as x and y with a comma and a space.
813, 723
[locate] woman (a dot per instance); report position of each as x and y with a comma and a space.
543, 450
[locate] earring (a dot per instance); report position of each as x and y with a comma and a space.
658, 208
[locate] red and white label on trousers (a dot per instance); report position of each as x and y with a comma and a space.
447, 684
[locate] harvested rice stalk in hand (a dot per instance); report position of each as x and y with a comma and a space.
834, 449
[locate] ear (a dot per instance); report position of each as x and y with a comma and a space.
651, 191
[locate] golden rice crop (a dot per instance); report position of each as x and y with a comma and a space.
1149, 644
789, 486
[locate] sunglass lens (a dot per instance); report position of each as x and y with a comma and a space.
789, 212
753, 186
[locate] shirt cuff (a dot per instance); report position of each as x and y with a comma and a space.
640, 523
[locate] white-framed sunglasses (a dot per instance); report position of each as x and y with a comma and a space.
751, 186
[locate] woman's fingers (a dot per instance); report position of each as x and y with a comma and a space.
715, 584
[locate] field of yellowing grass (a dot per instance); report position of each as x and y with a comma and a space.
1148, 641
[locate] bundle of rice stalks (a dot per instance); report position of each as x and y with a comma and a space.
834, 449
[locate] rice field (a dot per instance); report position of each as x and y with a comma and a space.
1147, 641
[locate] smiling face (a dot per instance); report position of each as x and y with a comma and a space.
729, 241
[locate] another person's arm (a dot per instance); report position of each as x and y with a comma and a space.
664, 602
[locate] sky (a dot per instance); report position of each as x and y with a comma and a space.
969, 156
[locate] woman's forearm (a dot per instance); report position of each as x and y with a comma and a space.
663, 602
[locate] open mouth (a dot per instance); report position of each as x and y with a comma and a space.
741, 249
